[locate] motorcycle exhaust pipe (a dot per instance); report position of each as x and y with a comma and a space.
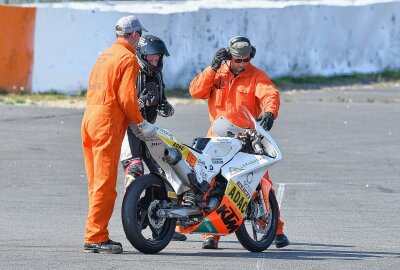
174, 158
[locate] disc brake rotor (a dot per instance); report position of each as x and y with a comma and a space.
155, 221
261, 225
260, 222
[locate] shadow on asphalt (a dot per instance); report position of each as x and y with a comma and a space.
288, 253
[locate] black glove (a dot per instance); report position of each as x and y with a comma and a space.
266, 120
165, 109
150, 95
219, 56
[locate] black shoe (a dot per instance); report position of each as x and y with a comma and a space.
104, 247
179, 237
281, 241
210, 243
114, 243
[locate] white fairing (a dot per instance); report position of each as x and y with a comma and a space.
208, 164
271, 143
222, 126
221, 154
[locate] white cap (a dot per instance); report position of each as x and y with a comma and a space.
129, 24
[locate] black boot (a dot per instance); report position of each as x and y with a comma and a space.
179, 237
104, 247
281, 241
210, 243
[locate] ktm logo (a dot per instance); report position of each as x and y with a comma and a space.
229, 218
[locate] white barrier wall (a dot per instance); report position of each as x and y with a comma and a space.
290, 40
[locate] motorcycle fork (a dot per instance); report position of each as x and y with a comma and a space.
264, 194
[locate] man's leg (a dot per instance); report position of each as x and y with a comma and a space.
102, 195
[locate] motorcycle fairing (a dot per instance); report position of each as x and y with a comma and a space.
206, 165
226, 219
246, 170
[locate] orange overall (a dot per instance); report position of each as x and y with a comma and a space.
251, 88
111, 104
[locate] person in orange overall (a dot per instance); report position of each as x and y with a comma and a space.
111, 104
235, 83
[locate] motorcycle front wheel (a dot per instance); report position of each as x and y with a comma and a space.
257, 232
147, 232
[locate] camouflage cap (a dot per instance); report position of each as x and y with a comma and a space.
240, 49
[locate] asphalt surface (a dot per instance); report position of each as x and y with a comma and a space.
339, 184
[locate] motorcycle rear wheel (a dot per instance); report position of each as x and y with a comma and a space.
145, 231
263, 228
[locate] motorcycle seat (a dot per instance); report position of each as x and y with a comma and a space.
200, 143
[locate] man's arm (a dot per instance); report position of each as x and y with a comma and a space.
201, 86
268, 94
126, 94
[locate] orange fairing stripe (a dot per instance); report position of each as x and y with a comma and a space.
265, 188
226, 219
17, 26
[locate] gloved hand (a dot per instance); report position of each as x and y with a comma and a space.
266, 120
150, 95
144, 130
165, 109
219, 56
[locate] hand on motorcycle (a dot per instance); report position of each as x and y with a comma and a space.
144, 130
165, 109
266, 120
221, 55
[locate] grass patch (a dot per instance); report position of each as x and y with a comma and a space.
321, 81
178, 92
20, 101
50, 95
37, 98
3, 92
312, 82
283, 83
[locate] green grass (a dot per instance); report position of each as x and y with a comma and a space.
178, 92
34, 99
3, 92
285, 83
312, 82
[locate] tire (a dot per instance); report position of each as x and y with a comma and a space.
255, 244
148, 234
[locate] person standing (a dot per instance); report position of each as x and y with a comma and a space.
152, 101
111, 104
235, 83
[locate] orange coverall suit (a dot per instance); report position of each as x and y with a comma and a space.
251, 88
111, 104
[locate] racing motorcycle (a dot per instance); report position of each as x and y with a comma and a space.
216, 186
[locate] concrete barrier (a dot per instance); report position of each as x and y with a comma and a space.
17, 27
291, 40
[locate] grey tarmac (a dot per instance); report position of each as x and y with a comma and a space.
338, 184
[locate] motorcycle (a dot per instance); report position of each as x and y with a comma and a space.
216, 186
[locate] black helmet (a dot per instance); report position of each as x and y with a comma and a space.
150, 44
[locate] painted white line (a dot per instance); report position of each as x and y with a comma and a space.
279, 194
300, 184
